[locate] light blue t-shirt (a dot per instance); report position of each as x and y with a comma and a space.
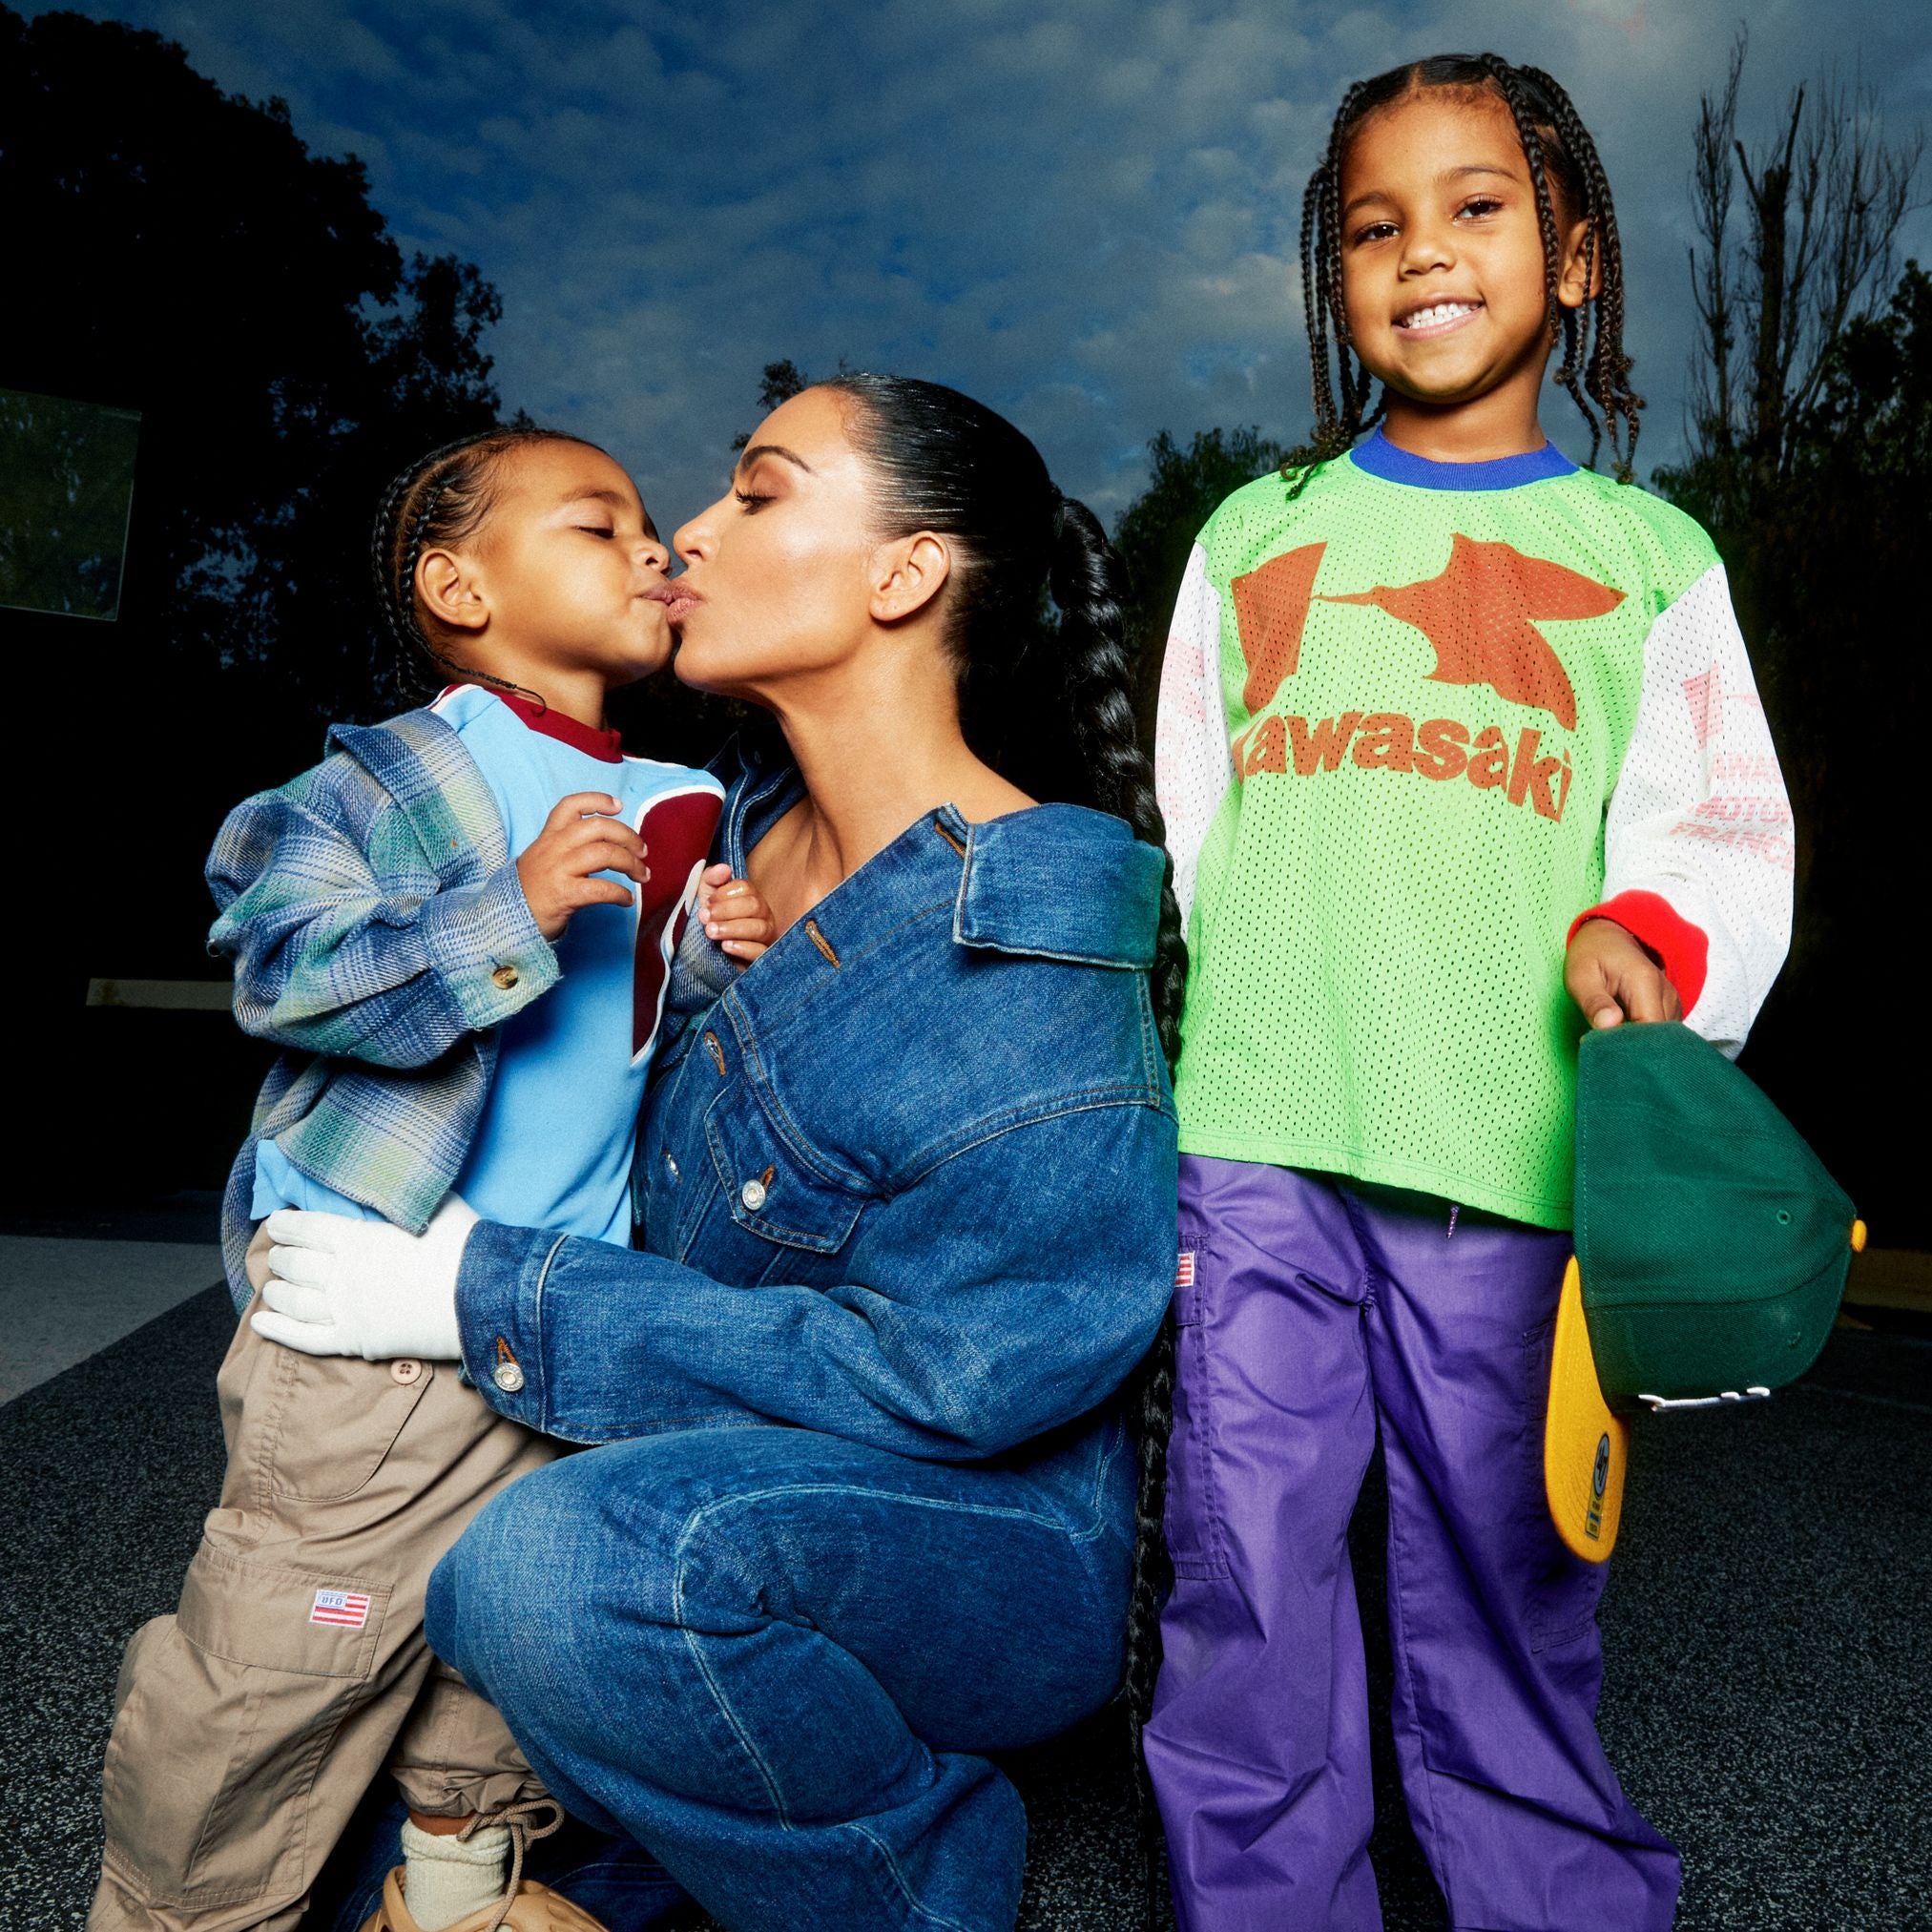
553, 1147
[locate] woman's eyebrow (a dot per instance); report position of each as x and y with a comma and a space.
758, 449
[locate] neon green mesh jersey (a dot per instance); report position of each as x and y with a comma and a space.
1415, 725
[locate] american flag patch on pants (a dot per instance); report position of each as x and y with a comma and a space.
1184, 1269
348, 1608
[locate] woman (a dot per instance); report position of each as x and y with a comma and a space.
864, 1505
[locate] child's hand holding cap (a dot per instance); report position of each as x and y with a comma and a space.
1613, 977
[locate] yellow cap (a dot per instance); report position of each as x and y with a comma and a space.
1586, 1448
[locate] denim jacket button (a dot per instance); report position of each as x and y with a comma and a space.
509, 1377
753, 1195
505, 977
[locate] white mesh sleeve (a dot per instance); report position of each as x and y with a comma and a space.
1193, 766
1699, 817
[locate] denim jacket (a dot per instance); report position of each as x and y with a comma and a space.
909, 1180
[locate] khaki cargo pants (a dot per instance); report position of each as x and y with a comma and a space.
251, 1723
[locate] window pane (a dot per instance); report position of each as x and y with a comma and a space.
67, 479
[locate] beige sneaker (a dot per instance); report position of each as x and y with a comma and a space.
532, 1908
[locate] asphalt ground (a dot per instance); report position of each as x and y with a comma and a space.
1767, 1623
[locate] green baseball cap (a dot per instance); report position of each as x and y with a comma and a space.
1712, 1243
1711, 1249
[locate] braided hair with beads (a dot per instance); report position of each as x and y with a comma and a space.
949, 465
444, 498
1563, 165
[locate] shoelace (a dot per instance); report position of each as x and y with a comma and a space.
519, 1821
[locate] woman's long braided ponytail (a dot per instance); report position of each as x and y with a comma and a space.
1087, 584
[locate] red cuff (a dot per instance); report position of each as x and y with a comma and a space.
1684, 949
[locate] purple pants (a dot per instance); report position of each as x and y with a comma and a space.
1317, 1313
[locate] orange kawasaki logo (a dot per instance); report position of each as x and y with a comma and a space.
1479, 612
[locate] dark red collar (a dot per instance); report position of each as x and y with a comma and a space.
607, 745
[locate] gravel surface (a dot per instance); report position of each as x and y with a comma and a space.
1767, 1624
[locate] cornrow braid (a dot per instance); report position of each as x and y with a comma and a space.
1088, 585
1606, 373
1563, 161
444, 497
1334, 428
1555, 320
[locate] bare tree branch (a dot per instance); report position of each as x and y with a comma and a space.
1711, 186
1823, 202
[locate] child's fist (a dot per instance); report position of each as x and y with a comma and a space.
558, 868
732, 913
1613, 977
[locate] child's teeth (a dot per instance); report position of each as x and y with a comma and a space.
1442, 311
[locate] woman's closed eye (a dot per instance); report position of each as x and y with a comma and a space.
752, 499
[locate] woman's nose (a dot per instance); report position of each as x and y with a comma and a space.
697, 538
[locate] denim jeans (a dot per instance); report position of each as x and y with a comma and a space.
773, 1657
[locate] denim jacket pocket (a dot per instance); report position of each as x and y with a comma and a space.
771, 1191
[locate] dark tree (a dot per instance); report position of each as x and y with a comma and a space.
1156, 531
1810, 464
1809, 251
780, 383
178, 252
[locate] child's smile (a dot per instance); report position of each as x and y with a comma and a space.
1436, 319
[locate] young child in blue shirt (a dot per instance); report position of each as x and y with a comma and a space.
465, 1031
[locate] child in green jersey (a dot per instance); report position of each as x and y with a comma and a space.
1460, 753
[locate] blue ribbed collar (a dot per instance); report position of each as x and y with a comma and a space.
1380, 457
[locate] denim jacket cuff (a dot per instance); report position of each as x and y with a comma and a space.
485, 947
498, 1316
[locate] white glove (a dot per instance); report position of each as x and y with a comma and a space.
338, 1286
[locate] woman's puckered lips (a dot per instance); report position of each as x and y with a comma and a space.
677, 596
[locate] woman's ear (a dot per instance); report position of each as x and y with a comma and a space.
1582, 275
907, 574
451, 590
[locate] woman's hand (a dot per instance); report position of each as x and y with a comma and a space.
1614, 978
339, 1286
734, 915
558, 869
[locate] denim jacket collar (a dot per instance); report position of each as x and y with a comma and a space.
1060, 881
1055, 882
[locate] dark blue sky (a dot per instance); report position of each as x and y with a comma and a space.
1084, 214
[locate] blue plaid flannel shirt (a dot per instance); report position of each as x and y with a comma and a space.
380, 936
